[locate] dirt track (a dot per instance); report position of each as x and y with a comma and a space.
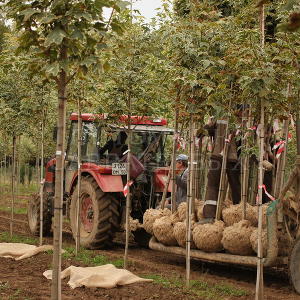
23, 280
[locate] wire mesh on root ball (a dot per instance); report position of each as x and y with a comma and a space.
236, 238
164, 232
233, 214
180, 234
151, 215
207, 237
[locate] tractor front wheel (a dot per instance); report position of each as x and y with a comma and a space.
99, 215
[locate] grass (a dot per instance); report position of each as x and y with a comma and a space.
199, 288
17, 210
89, 258
5, 237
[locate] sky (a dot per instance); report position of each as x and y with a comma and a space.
147, 7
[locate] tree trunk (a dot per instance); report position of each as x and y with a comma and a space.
259, 292
173, 177
59, 179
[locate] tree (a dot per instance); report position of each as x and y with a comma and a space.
62, 36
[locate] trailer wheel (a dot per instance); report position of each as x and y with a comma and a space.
99, 215
33, 215
294, 266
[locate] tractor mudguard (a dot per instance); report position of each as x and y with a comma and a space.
107, 182
50, 176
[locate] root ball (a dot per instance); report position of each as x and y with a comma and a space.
236, 238
207, 237
163, 231
151, 215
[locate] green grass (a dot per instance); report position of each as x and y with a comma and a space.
199, 288
17, 210
5, 237
89, 258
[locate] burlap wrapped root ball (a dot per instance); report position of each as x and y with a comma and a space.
175, 217
134, 224
163, 231
182, 210
207, 237
253, 217
254, 241
151, 215
233, 214
284, 243
180, 234
236, 238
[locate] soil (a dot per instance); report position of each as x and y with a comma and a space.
24, 280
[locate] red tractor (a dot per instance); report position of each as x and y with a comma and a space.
102, 202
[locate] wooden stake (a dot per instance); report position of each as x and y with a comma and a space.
128, 197
164, 195
78, 204
190, 199
222, 188
245, 166
174, 150
41, 180
13, 186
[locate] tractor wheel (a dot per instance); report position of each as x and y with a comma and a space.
142, 237
99, 215
33, 215
294, 266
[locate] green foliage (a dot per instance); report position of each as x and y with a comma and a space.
65, 34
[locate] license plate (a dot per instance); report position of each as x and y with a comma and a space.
119, 168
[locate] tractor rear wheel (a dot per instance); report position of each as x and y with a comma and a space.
294, 266
33, 215
99, 215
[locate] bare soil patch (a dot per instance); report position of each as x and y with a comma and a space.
24, 280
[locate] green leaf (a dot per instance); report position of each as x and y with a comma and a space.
116, 27
88, 61
106, 66
48, 18
123, 4
52, 69
77, 34
28, 13
56, 37
101, 3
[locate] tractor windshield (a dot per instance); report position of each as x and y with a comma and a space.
151, 147
104, 145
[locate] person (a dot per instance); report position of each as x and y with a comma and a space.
180, 180
115, 148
